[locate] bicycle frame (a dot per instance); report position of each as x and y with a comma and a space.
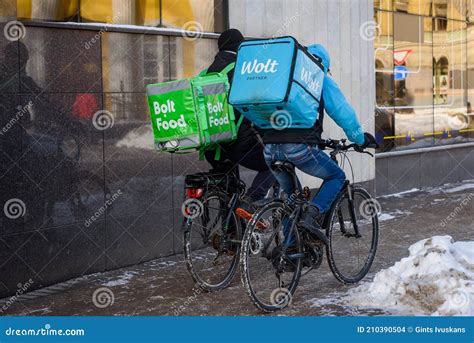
347, 186
349, 189
228, 183
290, 247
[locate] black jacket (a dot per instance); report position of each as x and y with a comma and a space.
311, 136
247, 135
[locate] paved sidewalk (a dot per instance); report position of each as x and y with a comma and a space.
163, 286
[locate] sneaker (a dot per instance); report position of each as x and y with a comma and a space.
310, 222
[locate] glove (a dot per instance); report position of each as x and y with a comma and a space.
369, 142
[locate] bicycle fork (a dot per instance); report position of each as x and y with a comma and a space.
351, 208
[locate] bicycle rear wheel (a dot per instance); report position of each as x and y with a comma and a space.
351, 257
211, 250
271, 258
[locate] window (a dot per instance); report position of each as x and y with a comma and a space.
424, 64
197, 15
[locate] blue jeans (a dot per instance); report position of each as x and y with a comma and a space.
310, 160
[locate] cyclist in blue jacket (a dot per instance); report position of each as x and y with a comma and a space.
300, 147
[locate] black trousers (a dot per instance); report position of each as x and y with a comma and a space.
252, 159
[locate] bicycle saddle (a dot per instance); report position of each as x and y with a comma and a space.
283, 166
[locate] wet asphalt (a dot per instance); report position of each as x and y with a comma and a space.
164, 287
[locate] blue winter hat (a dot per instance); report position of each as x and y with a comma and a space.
320, 51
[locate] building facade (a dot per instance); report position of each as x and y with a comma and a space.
424, 70
76, 153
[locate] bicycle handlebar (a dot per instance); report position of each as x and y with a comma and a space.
339, 145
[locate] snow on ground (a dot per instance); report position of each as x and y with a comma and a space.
392, 215
446, 188
462, 187
437, 278
466, 185
386, 216
400, 194
122, 279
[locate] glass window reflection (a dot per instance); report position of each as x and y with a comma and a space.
413, 86
424, 62
195, 15
449, 81
447, 9
469, 132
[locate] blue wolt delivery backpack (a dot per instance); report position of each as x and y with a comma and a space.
277, 83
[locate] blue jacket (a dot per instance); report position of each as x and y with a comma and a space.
335, 104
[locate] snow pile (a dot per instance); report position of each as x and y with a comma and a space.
437, 278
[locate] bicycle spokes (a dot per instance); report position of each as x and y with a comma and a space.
212, 243
275, 265
353, 237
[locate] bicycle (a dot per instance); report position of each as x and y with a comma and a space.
212, 227
275, 249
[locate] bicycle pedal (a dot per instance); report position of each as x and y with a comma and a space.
248, 216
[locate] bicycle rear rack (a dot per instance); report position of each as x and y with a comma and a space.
213, 180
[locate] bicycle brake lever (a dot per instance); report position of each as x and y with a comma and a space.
368, 153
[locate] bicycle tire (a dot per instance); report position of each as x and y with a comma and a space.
197, 278
330, 230
245, 251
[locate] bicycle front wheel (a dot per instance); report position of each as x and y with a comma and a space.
212, 247
271, 257
350, 253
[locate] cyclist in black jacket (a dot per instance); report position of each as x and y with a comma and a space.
247, 150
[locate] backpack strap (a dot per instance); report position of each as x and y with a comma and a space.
239, 122
217, 155
321, 111
225, 71
228, 68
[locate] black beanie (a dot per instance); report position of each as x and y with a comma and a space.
230, 40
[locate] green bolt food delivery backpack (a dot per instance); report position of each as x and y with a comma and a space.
192, 114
